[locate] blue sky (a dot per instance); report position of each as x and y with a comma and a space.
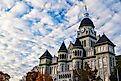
29, 27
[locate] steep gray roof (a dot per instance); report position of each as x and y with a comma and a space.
104, 40
46, 55
78, 44
63, 48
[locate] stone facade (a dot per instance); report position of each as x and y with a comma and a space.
97, 51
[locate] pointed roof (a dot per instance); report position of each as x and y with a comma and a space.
63, 48
78, 44
46, 55
104, 40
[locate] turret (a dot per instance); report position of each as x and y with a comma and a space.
46, 58
45, 61
86, 33
62, 53
62, 58
78, 54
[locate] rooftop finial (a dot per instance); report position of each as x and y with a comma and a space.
86, 13
85, 8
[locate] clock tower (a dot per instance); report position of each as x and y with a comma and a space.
86, 33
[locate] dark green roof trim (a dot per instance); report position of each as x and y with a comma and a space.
62, 61
104, 53
77, 58
44, 64
69, 61
54, 63
104, 40
45, 57
89, 57
77, 47
87, 36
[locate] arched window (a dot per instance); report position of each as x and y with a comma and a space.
50, 70
75, 53
62, 56
59, 76
68, 67
65, 56
77, 65
62, 67
78, 53
84, 43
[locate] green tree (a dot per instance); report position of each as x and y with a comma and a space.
86, 73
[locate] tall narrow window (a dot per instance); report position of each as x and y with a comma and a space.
68, 67
62, 67
91, 43
84, 43
110, 61
50, 70
65, 56
78, 53
75, 53
77, 65
62, 56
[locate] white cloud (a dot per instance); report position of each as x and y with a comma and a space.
27, 30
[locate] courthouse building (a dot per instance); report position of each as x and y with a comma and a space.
97, 51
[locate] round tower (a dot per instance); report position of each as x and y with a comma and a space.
78, 54
62, 57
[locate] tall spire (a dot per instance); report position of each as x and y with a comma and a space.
86, 14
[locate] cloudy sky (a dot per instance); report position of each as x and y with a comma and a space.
29, 27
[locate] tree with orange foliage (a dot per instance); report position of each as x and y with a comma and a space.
44, 77
37, 76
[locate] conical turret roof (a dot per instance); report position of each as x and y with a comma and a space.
46, 55
78, 44
63, 48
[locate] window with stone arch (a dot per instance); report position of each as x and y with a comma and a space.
84, 43
62, 67
65, 56
78, 53
77, 64
62, 56
75, 53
